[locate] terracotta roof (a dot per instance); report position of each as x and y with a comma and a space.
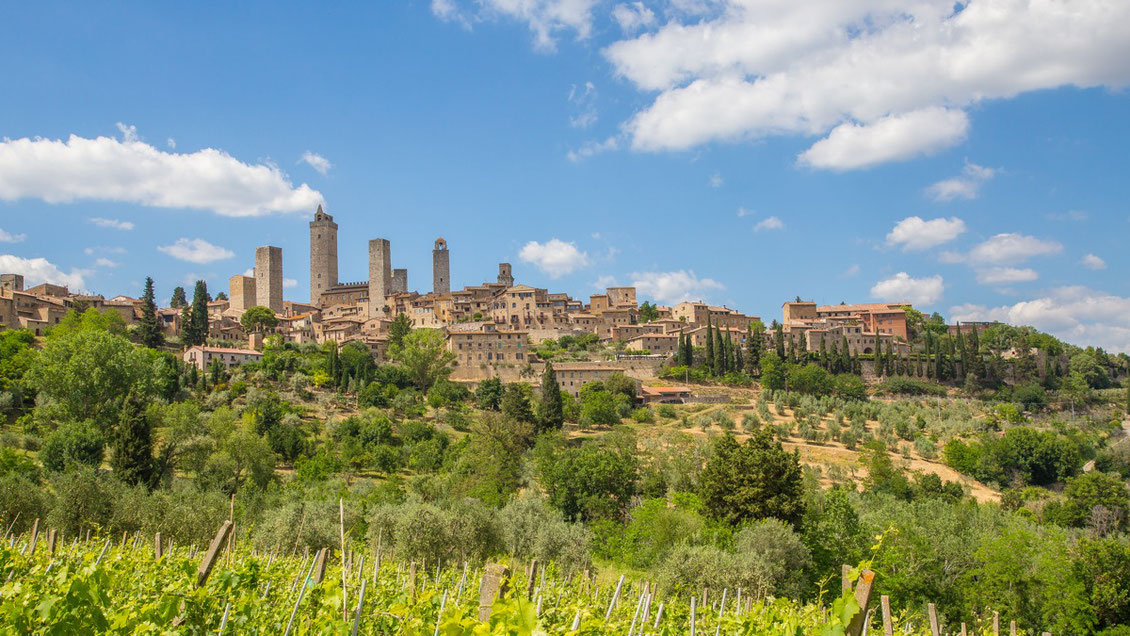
227, 350
584, 366
864, 307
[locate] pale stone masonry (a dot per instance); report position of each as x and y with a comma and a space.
269, 278
655, 343
380, 276
441, 268
399, 281
488, 346
241, 292
571, 376
323, 254
202, 357
505, 275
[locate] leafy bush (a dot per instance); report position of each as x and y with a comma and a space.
72, 445
909, 386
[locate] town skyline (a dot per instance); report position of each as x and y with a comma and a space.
1017, 214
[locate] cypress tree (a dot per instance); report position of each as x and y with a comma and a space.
178, 300
132, 458
962, 355
976, 363
551, 409
939, 363
739, 361
709, 345
755, 346
194, 327
149, 331
719, 351
779, 342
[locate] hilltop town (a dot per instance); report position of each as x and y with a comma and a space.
493, 329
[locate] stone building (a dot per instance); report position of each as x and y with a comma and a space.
399, 281
269, 278
441, 268
12, 282
622, 296
698, 313
571, 376
655, 343
884, 318
202, 357
323, 255
380, 276
624, 333
488, 346
241, 292
505, 275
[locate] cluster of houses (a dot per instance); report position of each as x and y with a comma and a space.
488, 327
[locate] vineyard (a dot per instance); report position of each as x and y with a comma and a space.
133, 585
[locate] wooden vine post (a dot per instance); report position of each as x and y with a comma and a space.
213, 551
885, 604
862, 597
493, 586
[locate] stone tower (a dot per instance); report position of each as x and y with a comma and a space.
441, 268
269, 278
399, 281
241, 292
505, 276
323, 254
380, 276
12, 282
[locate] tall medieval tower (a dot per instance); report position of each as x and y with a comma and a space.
380, 276
441, 268
269, 278
323, 254
505, 275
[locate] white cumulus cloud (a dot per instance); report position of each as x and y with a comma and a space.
290, 282
1090, 261
851, 146
1010, 249
769, 223
196, 251
890, 80
131, 171
317, 162
1006, 275
633, 16
1077, 314
546, 19
555, 257
903, 288
674, 287
915, 233
102, 261
40, 270
113, 224
965, 186
8, 237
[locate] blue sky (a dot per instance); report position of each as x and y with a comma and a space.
972, 159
